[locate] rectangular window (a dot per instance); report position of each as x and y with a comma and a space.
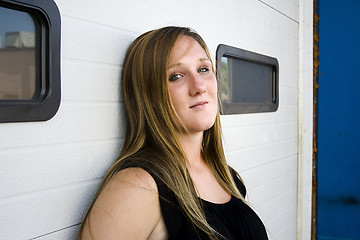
248, 82
29, 60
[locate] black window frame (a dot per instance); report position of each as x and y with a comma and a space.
244, 55
46, 102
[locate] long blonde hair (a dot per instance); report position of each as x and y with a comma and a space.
152, 125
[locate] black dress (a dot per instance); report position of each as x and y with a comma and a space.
233, 220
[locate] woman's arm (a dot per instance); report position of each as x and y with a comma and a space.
127, 208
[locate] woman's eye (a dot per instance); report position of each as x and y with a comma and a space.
174, 77
203, 70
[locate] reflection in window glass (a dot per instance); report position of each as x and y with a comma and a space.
224, 83
244, 81
17, 55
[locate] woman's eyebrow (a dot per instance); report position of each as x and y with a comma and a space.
179, 63
174, 65
204, 60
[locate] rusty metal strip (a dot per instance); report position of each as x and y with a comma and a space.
315, 119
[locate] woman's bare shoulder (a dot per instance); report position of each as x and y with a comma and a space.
127, 208
136, 178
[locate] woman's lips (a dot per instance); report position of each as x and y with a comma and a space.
199, 104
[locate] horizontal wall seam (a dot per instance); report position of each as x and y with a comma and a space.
27, 195
62, 229
60, 144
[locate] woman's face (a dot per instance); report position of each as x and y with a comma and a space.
192, 85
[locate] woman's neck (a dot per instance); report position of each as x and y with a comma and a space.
191, 144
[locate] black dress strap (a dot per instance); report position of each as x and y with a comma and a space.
240, 185
170, 209
179, 227
174, 217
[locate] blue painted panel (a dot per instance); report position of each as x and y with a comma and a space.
339, 120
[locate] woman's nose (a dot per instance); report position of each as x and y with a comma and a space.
197, 85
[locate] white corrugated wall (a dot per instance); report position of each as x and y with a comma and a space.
51, 170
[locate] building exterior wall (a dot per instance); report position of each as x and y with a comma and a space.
17, 76
50, 170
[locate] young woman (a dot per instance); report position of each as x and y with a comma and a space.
171, 180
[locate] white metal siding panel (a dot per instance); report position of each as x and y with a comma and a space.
85, 79
43, 212
263, 147
68, 233
47, 167
50, 170
288, 7
306, 117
